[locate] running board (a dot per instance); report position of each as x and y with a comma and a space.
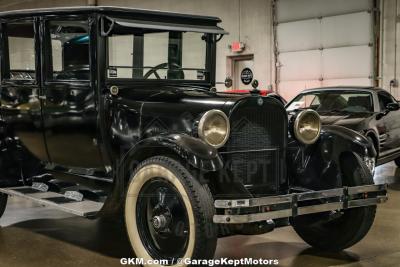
70, 202
239, 211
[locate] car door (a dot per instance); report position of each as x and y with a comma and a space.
390, 140
70, 106
20, 85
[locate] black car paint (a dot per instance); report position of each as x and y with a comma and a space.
100, 135
381, 126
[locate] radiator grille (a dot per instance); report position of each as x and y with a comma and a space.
255, 151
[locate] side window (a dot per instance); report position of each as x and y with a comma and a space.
69, 50
21, 50
384, 100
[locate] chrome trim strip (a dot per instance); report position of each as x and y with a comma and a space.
337, 192
320, 208
256, 217
342, 201
252, 202
366, 188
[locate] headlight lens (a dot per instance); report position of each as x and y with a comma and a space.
214, 128
307, 126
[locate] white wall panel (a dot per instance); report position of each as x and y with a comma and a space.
346, 30
290, 10
342, 28
347, 62
289, 89
347, 82
304, 65
299, 35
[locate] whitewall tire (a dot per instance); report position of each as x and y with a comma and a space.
168, 213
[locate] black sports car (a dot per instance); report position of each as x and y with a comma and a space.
371, 111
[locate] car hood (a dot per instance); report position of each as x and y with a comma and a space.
349, 120
179, 110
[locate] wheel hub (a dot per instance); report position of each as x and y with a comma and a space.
159, 222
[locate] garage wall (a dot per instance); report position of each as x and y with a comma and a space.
390, 50
328, 43
24, 4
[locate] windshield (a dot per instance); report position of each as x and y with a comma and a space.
333, 101
157, 54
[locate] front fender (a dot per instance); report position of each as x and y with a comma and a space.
318, 166
193, 150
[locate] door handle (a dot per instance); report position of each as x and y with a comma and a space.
42, 97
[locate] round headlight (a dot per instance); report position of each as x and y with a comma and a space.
307, 127
214, 128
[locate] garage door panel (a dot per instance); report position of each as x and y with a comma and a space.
304, 65
289, 89
346, 30
289, 10
301, 35
347, 62
348, 82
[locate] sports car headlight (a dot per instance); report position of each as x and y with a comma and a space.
214, 128
307, 126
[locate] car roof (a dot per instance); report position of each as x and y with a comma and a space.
110, 10
344, 88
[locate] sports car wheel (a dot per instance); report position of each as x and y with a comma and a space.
338, 230
168, 213
3, 203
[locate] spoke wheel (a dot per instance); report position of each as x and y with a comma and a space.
169, 214
162, 214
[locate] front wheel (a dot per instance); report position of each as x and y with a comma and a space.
168, 213
338, 230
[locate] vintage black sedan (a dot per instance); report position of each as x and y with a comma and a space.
371, 111
108, 111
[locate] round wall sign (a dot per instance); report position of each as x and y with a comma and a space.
246, 76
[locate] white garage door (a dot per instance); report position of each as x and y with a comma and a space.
323, 43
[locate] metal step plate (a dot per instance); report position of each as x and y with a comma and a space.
85, 208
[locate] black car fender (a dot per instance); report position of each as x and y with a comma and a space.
193, 150
197, 153
373, 134
318, 166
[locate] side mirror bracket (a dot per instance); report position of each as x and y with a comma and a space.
390, 107
393, 106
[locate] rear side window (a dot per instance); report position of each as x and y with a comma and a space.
21, 50
69, 49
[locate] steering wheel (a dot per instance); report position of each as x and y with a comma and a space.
154, 70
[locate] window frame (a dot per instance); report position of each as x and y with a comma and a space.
5, 74
304, 94
385, 94
47, 70
209, 66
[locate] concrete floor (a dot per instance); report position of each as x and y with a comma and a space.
31, 235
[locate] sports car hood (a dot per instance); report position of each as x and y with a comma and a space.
350, 120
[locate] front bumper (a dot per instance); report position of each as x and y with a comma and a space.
239, 211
